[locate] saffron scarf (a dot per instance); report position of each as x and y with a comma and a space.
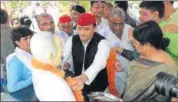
48, 67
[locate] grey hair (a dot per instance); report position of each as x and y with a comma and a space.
42, 15
117, 12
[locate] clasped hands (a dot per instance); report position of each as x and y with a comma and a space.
78, 82
117, 62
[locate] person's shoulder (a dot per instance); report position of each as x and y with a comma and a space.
61, 33
13, 59
105, 42
128, 26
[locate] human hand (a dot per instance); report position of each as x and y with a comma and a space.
66, 66
117, 49
170, 28
78, 82
173, 99
130, 35
118, 66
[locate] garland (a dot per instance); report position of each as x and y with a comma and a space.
39, 65
111, 72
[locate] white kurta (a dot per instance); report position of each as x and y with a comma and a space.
101, 28
64, 36
50, 87
124, 42
99, 62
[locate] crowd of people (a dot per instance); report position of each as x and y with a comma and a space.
67, 59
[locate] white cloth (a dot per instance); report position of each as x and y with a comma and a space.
101, 28
64, 36
50, 87
124, 42
99, 62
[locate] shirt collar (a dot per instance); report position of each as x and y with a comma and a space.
19, 50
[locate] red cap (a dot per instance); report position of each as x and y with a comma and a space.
86, 19
65, 19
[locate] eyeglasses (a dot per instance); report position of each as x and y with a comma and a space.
116, 24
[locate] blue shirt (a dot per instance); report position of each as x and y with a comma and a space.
18, 75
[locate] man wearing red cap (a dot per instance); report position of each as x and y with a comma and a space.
88, 52
65, 26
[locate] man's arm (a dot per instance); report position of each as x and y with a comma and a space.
99, 62
67, 54
14, 73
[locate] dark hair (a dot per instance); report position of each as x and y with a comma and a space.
150, 32
172, 2
4, 16
153, 6
12, 21
25, 21
78, 8
92, 2
19, 32
122, 4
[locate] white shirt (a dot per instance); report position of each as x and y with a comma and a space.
64, 36
23, 56
99, 62
123, 43
101, 28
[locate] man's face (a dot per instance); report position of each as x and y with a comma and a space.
102, 8
107, 11
145, 15
15, 24
75, 15
116, 25
96, 9
46, 24
66, 27
86, 32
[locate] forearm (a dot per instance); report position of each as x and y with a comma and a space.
128, 54
99, 62
16, 86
